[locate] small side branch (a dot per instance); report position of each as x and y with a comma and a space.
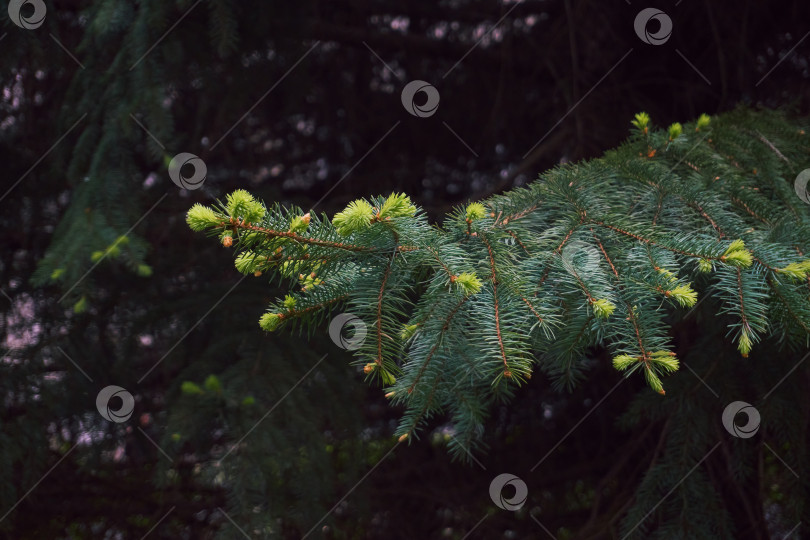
494, 276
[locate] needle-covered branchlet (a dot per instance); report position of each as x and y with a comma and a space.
606, 252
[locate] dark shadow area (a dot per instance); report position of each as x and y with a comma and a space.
239, 433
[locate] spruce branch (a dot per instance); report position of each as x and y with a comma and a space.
607, 253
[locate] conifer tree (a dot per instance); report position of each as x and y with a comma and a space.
101, 283
607, 253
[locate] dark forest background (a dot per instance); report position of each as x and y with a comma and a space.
299, 103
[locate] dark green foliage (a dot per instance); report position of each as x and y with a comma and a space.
598, 253
603, 253
125, 291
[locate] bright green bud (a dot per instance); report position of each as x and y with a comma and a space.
241, 205
737, 255
122, 240
387, 378
397, 205
653, 380
468, 283
744, 345
212, 383
289, 302
81, 306
96, 256
736, 245
189, 388
299, 224
248, 401
703, 122
666, 360
246, 262
602, 308
113, 251
684, 295
408, 330
201, 217
670, 275
675, 131
739, 258
271, 321
476, 211
641, 120
144, 270
355, 217
624, 361
705, 265
796, 271
56, 274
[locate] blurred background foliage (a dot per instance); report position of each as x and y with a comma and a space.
299, 103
